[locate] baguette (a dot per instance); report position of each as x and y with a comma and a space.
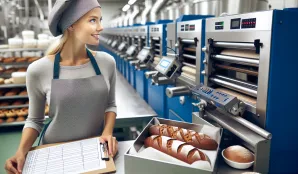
199, 140
175, 148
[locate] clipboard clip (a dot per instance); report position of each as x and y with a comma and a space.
104, 151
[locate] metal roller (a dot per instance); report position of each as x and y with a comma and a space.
242, 70
234, 45
188, 76
189, 49
157, 45
189, 56
235, 87
171, 54
187, 41
178, 91
188, 64
155, 38
149, 74
237, 81
157, 50
237, 60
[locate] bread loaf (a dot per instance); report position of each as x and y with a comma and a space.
238, 154
199, 140
175, 148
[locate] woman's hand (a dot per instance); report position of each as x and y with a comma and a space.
14, 165
112, 143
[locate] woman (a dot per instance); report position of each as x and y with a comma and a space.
78, 84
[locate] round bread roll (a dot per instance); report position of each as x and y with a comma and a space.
23, 93
10, 113
18, 102
10, 70
8, 60
12, 92
2, 114
32, 59
22, 112
9, 120
1, 121
8, 81
21, 59
47, 110
20, 119
2, 81
2, 69
22, 70
238, 154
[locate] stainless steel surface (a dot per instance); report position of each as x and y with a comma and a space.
177, 91
206, 7
260, 144
242, 6
238, 60
234, 45
171, 36
123, 146
233, 86
129, 102
251, 126
252, 86
262, 32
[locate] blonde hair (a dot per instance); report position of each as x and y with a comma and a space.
58, 44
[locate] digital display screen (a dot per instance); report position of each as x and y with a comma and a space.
121, 46
130, 50
164, 63
114, 44
235, 23
143, 54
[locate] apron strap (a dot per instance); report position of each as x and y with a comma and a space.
57, 64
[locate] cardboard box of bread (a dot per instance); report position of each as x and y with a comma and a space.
165, 146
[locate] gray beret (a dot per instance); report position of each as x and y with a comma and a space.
67, 12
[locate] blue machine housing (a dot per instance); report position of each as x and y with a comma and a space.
157, 98
282, 117
176, 110
140, 80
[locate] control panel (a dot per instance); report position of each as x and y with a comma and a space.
237, 23
187, 27
130, 51
144, 55
168, 66
216, 98
114, 44
121, 46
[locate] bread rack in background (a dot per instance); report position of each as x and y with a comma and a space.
14, 101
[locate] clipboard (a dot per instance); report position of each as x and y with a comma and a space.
110, 165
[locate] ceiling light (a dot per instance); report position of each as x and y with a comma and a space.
130, 2
126, 7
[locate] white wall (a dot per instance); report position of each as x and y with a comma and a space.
280, 4
109, 9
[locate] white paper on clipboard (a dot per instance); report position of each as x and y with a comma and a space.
75, 157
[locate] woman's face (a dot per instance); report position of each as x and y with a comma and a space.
88, 27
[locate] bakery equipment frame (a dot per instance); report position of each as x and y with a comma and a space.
252, 56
